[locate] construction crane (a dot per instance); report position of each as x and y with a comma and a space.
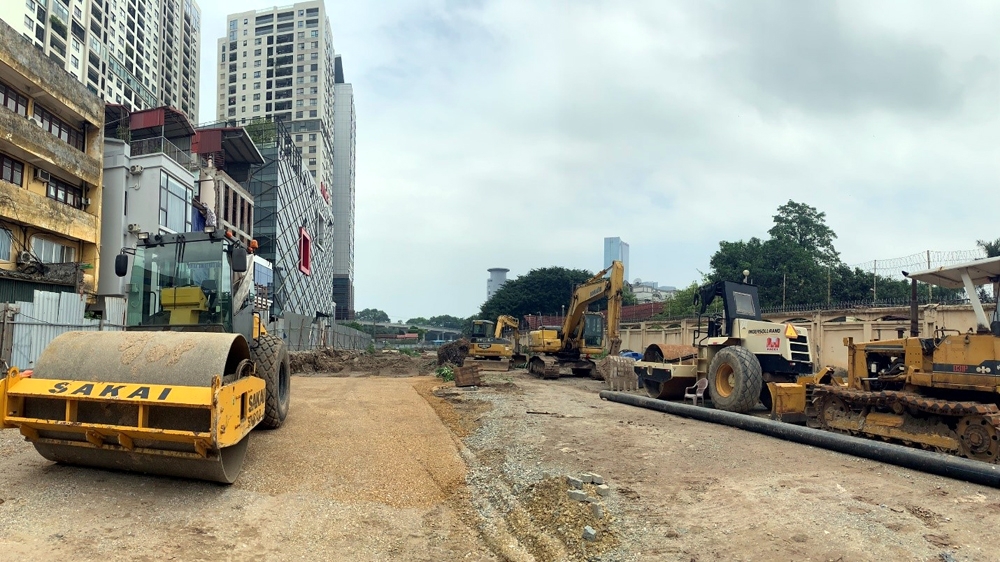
179, 390
572, 347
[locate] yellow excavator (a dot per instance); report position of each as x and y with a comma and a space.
487, 347
938, 392
179, 390
570, 349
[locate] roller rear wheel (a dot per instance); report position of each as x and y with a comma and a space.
271, 357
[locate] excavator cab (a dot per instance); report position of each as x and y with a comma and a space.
482, 330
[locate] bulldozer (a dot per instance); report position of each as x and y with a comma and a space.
178, 391
570, 349
746, 360
488, 349
938, 392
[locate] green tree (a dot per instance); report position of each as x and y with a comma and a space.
544, 290
418, 320
628, 297
806, 226
680, 304
372, 315
992, 248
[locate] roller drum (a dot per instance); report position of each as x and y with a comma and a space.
171, 358
145, 357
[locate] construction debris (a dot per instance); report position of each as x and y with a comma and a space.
453, 352
345, 362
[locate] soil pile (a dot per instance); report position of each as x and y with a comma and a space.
453, 352
347, 363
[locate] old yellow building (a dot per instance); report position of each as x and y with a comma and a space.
51, 161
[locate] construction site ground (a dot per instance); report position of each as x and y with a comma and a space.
407, 467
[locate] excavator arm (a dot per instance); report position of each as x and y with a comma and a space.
594, 289
505, 322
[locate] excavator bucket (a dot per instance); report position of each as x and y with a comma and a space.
168, 403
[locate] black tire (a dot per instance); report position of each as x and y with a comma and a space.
735, 379
271, 358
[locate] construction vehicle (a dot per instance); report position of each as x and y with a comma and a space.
746, 360
937, 392
570, 348
179, 390
487, 347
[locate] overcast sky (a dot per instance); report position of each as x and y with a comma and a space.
519, 134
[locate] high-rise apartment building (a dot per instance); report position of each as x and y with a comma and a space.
345, 131
616, 250
138, 53
277, 63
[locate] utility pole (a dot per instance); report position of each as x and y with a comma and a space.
829, 285
930, 293
874, 281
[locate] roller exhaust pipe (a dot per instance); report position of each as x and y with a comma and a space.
916, 459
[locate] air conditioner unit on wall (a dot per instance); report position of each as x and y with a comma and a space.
42, 175
135, 170
134, 228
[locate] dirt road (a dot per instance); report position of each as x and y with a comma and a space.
687, 490
362, 470
379, 468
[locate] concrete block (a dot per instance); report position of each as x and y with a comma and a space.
587, 478
578, 495
597, 479
574, 482
597, 510
589, 533
604, 490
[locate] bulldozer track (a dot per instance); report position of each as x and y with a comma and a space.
973, 427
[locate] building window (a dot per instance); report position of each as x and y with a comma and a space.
13, 100
256, 85
312, 161
256, 97
312, 137
256, 73
11, 170
58, 127
65, 193
298, 138
5, 241
256, 108
48, 251
298, 115
175, 204
312, 113
305, 251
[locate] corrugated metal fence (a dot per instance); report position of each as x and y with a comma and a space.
27, 327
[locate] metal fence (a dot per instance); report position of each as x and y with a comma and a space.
26, 328
303, 333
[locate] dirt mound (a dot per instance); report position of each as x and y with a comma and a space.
453, 352
346, 363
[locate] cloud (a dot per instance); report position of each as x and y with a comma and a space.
519, 134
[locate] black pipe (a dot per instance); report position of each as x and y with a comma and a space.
914, 319
935, 463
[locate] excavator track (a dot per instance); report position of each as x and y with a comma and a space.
964, 428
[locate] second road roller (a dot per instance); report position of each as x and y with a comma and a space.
178, 391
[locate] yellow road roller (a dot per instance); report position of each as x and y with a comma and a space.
179, 390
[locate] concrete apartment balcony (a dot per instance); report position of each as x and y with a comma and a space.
22, 206
23, 139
